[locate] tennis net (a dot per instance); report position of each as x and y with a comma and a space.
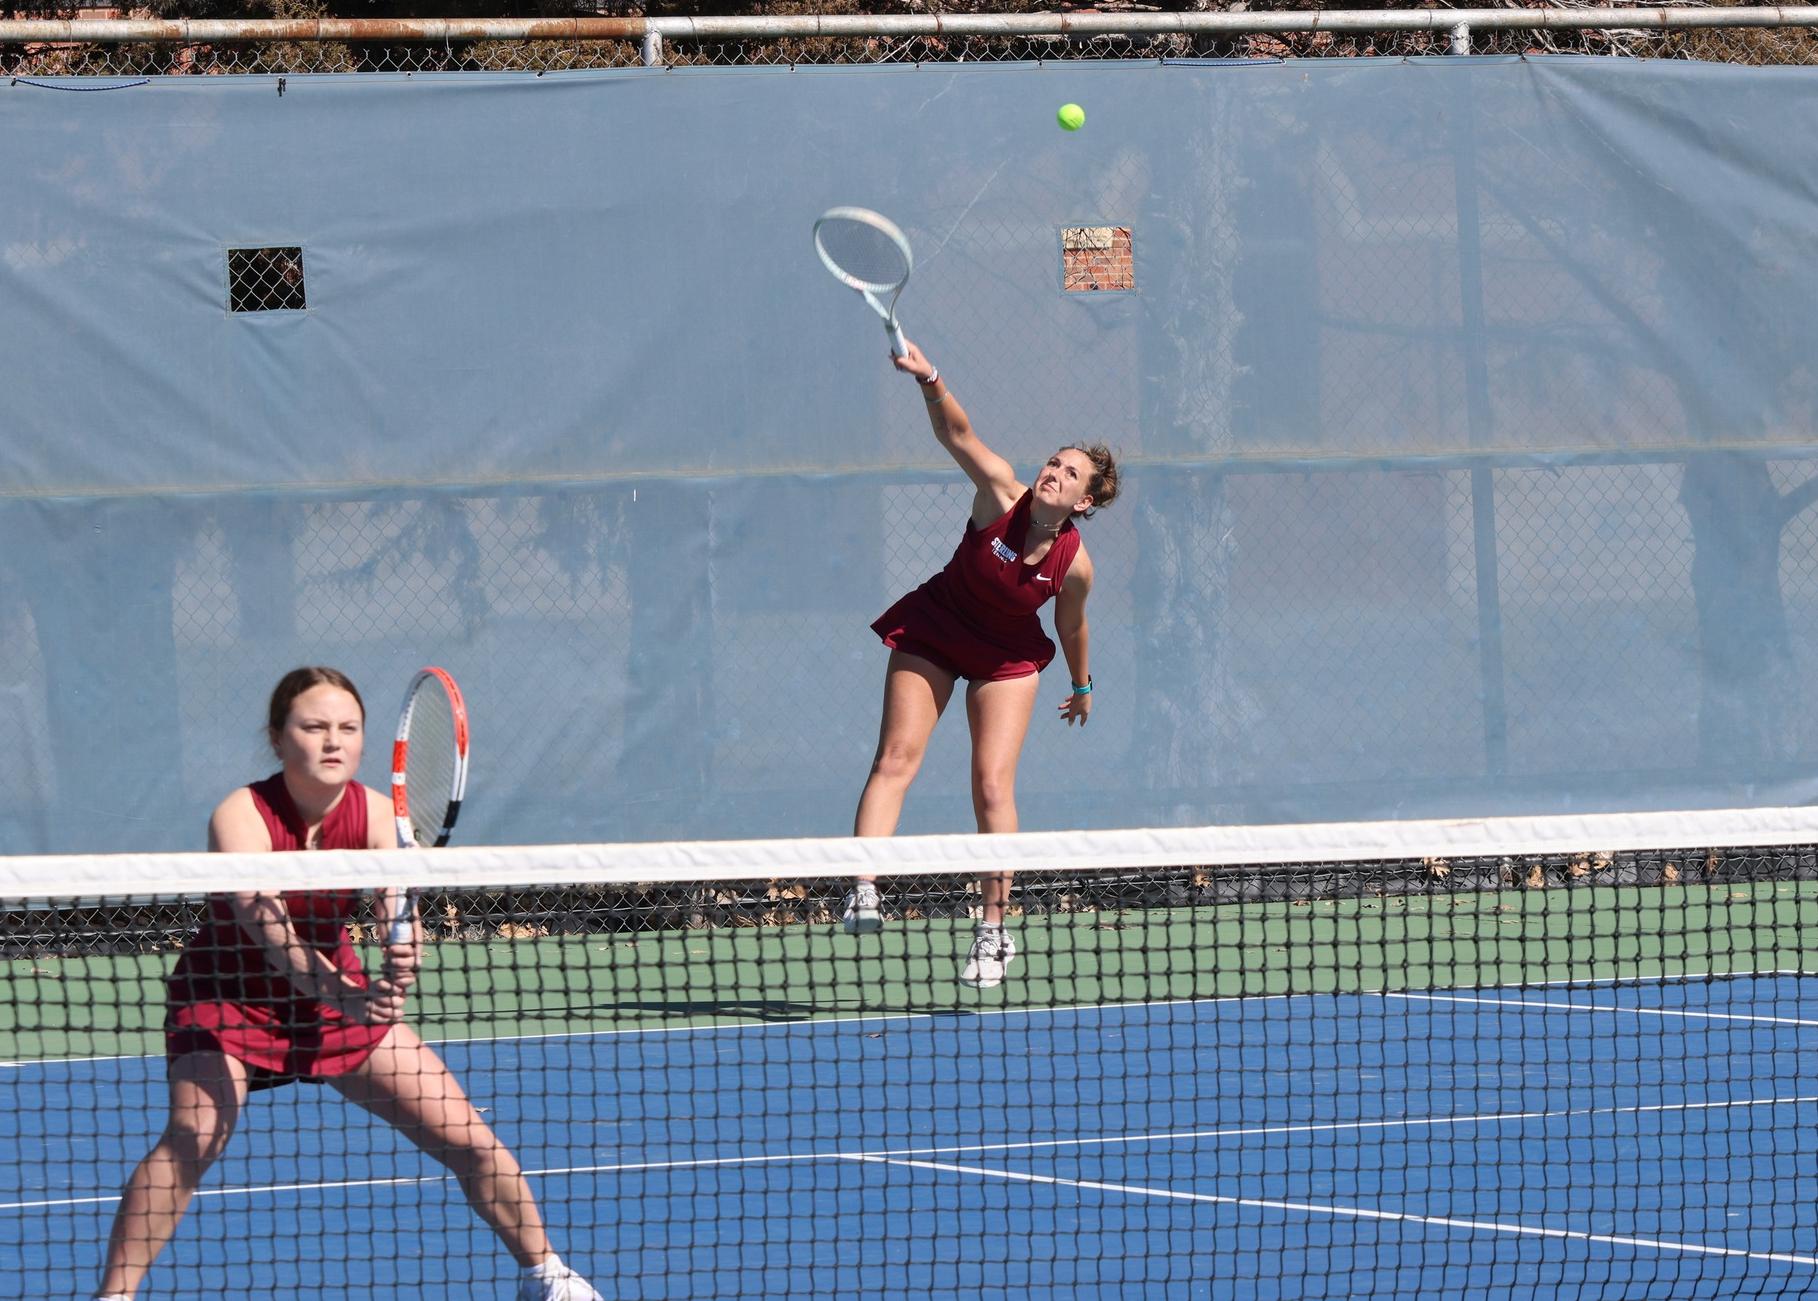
1551, 1057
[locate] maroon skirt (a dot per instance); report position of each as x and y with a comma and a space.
255, 1017
922, 624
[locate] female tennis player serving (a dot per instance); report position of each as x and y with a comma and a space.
271, 992
977, 620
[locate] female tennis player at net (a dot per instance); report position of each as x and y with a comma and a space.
271, 992
977, 620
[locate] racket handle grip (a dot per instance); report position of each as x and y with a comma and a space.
403, 921
899, 346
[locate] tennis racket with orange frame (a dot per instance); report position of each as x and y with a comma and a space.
428, 774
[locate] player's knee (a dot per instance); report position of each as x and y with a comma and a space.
896, 763
994, 789
196, 1141
485, 1158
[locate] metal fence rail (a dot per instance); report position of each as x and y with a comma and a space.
1744, 34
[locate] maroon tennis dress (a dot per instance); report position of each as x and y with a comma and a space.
224, 995
977, 617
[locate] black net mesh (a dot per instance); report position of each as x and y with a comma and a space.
1572, 1075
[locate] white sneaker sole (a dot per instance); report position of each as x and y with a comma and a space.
986, 982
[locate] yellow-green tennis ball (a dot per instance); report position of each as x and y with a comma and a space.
1071, 117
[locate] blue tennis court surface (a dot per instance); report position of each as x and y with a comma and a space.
1644, 1140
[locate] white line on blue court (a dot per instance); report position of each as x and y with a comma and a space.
1339, 1211
959, 1014
1344, 1126
1028, 1145
1548, 1005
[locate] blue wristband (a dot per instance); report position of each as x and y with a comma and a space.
1085, 690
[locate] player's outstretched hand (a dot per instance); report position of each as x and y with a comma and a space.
913, 363
1076, 709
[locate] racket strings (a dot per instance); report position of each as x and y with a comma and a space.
430, 764
862, 255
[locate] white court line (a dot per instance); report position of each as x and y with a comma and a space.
959, 1014
1339, 1211
1660, 977
1031, 1145
1345, 1126
1550, 1006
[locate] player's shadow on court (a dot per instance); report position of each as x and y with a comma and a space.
647, 1011
779, 1009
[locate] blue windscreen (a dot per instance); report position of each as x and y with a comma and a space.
1465, 409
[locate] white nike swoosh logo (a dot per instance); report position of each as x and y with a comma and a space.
1043, 578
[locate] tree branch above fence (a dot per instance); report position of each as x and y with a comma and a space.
305, 38
846, 26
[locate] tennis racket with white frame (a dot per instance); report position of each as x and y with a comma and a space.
867, 252
428, 774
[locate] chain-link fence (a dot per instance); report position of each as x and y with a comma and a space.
86, 41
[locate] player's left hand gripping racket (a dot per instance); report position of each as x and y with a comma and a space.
865, 251
428, 774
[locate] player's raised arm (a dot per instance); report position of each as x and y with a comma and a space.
991, 474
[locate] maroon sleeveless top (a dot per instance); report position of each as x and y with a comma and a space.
977, 617
224, 993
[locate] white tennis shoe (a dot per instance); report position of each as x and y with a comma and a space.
554, 1281
989, 961
860, 915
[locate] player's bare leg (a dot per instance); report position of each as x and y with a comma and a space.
916, 693
999, 714
207, 1091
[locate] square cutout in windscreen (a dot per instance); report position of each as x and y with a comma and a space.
1095, 259
265, 280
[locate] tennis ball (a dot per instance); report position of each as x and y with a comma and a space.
1071, 117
